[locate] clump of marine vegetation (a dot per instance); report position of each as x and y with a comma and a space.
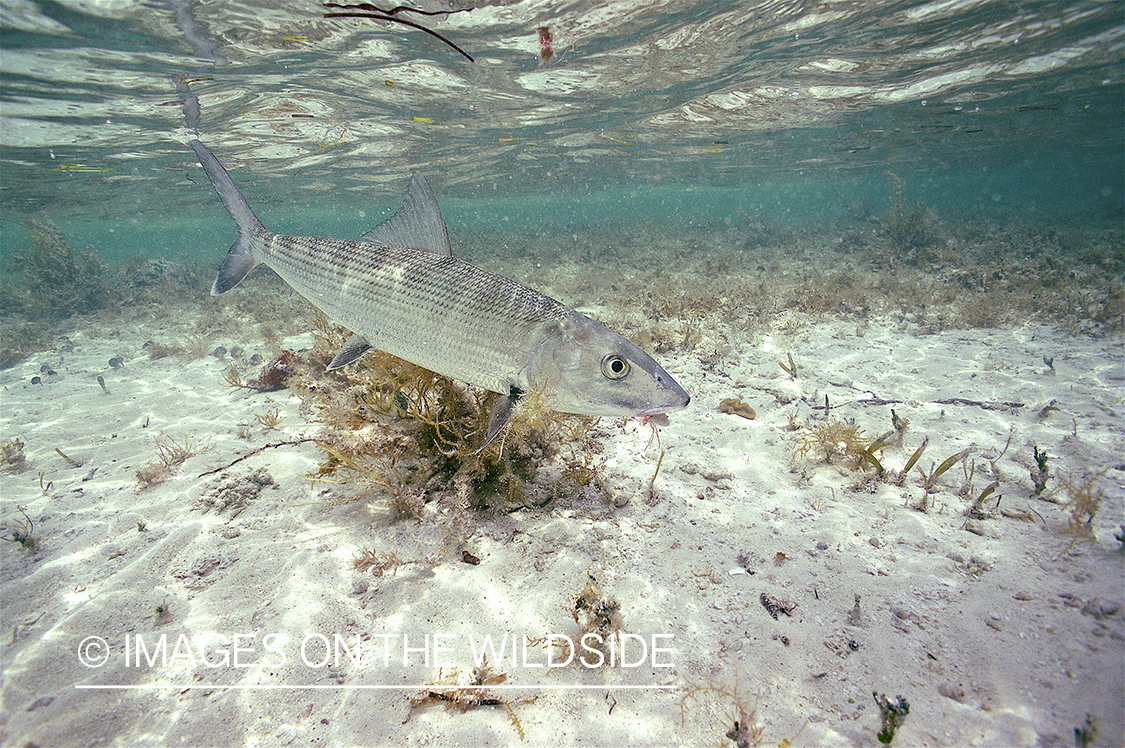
43, 285
893, 713
835, 440
742, 724
53, 279
12, 457
910, 231
170, 454
452, 692
598, 616
20, 529
392, 431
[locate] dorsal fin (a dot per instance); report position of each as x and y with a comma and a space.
417, 225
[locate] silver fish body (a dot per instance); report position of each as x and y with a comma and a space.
402, 292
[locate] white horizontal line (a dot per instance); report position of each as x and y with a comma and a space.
359, 687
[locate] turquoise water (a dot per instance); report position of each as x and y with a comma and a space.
697, 112
146, 226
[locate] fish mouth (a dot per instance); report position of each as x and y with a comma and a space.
658, 409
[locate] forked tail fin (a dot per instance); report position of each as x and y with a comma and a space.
240, 259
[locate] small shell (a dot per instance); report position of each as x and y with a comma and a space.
736, 407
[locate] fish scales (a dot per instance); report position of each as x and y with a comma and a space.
434, 310
403, 292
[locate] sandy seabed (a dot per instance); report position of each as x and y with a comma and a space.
997, 626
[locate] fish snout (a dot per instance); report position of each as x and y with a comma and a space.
669, 394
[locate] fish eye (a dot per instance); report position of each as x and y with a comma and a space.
615, 366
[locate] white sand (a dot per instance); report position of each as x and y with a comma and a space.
1010, 637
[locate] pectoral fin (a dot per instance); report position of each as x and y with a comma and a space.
500, 414
353, 348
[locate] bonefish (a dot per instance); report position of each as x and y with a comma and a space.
402, 292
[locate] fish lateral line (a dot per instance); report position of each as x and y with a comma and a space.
401, 291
